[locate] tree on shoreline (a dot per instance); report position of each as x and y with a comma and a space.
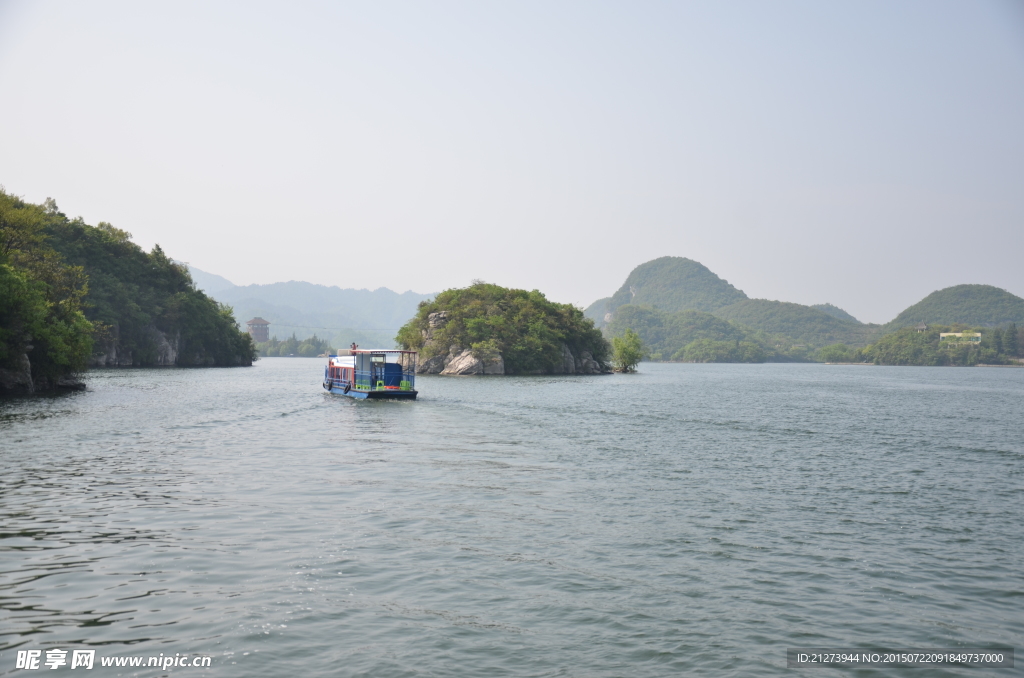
628, 351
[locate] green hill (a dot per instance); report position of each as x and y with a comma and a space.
978, 305
597, 310
804, 324
675, 284
835, 312
695, 336
145, 307
664, 334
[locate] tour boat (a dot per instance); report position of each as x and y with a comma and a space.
372, 373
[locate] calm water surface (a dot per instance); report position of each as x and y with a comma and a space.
687, 520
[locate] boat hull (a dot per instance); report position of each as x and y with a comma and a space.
382, 394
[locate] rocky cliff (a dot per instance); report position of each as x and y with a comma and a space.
17, 380
161, 351
157, 349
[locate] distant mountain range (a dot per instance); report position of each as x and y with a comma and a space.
673, 299
673, 288
368, 317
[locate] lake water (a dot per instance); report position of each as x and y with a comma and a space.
686, 520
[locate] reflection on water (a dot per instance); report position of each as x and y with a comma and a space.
688, 519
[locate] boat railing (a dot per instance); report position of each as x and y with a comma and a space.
365, 381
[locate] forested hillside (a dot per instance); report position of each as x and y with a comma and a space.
835, 312
660, 300
673, 302
675, 284
75, 294
145, 307
982, 305
803, 324
908, 346
695, 336
597, 310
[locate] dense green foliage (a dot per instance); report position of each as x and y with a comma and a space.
675, 284
803, 324
132, 293
978, 305
907, 346
838, 353
693, 336
305, 348
710, 351
628, 351
835, 312
665, 334
41, 314
526, 328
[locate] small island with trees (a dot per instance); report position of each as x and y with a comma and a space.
487, 329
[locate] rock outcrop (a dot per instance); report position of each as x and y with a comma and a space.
587, 364
433, 365
462, 361
163, 348
18, 381
467, 363
568, 364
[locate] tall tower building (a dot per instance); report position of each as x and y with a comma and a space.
259, 329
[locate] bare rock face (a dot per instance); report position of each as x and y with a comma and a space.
494, 364
588, 365
70, 383
432, 365
106, 354
435, 321
464, 362
166, 351
568, 361
18, 380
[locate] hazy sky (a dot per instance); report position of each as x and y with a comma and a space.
860, 153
